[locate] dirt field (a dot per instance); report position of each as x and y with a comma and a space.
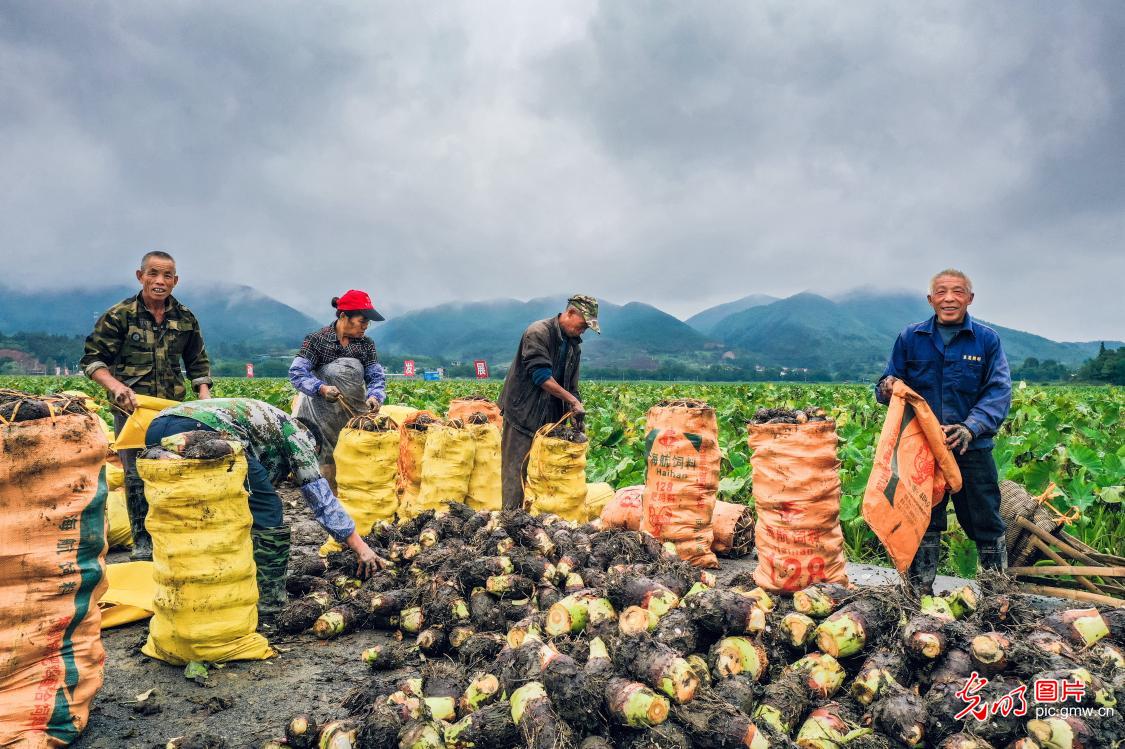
247, 703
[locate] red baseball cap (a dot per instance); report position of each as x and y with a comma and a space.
354, 300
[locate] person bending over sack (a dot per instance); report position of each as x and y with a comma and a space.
276, 445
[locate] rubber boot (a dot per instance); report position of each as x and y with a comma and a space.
137, 507
271, 555
993, 554
923, 570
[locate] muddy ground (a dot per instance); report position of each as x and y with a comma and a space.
249, 702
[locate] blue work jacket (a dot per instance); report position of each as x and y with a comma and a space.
967, 382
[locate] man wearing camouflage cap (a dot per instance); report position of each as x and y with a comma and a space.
542, 386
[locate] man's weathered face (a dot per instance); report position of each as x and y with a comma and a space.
573, 323
950, 297
158, 278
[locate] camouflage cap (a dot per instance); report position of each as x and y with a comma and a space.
588, 306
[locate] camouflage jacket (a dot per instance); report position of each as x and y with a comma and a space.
146, 356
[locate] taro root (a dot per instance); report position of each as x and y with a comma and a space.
783, 702
723, 612
626, 590
737, 691
631, 703
302, 732
483, 689
820, 600
924, 637
1081, 627
657, 665
823, 674
390, 656
900, 716
481, 648
298, 616
338, 620
485, 612
677, 631
571, 614
991, 652
539, 724
732, 656
881, 671
827, 728
488, 726
443, 684
849, 629
712, 723
799, 630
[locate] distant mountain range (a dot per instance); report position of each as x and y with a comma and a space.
850, 335
231, 315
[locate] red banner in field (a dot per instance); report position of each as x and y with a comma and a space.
408, 368
249, 370
482, 369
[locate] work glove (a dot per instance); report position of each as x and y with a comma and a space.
330, 393
373, 406
957, 437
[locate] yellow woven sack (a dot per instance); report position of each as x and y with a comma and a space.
556, 475
366, 476
114, 476
118, 532
447, 464
397, 414
484, 481
133, 432
597, 497
205, 605
129, 597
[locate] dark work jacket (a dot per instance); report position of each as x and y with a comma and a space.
965, 381
525, 405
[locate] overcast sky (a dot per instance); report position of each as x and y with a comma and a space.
681, 154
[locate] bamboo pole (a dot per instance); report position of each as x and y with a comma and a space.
1100, 556
1074, 595
1051, 540
1066, 569
1047, 550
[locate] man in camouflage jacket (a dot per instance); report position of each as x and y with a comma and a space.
136, 347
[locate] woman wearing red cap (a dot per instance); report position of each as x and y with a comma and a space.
339, 362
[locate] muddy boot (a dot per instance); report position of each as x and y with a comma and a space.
993, 554
923, 570
137, 507
271, 555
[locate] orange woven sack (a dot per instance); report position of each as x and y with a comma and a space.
411, 448
52, 575
797, 497
463, 408
624, 510
912, 471
682, 479
733, 525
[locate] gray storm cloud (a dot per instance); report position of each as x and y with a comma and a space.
678, 154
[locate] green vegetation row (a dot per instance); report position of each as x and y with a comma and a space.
1072, 436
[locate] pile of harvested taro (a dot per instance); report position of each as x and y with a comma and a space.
788, 415
511, 630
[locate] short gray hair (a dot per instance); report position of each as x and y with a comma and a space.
952, 272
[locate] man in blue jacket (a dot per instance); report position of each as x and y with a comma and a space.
959, 367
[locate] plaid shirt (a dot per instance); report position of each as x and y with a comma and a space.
323, 347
